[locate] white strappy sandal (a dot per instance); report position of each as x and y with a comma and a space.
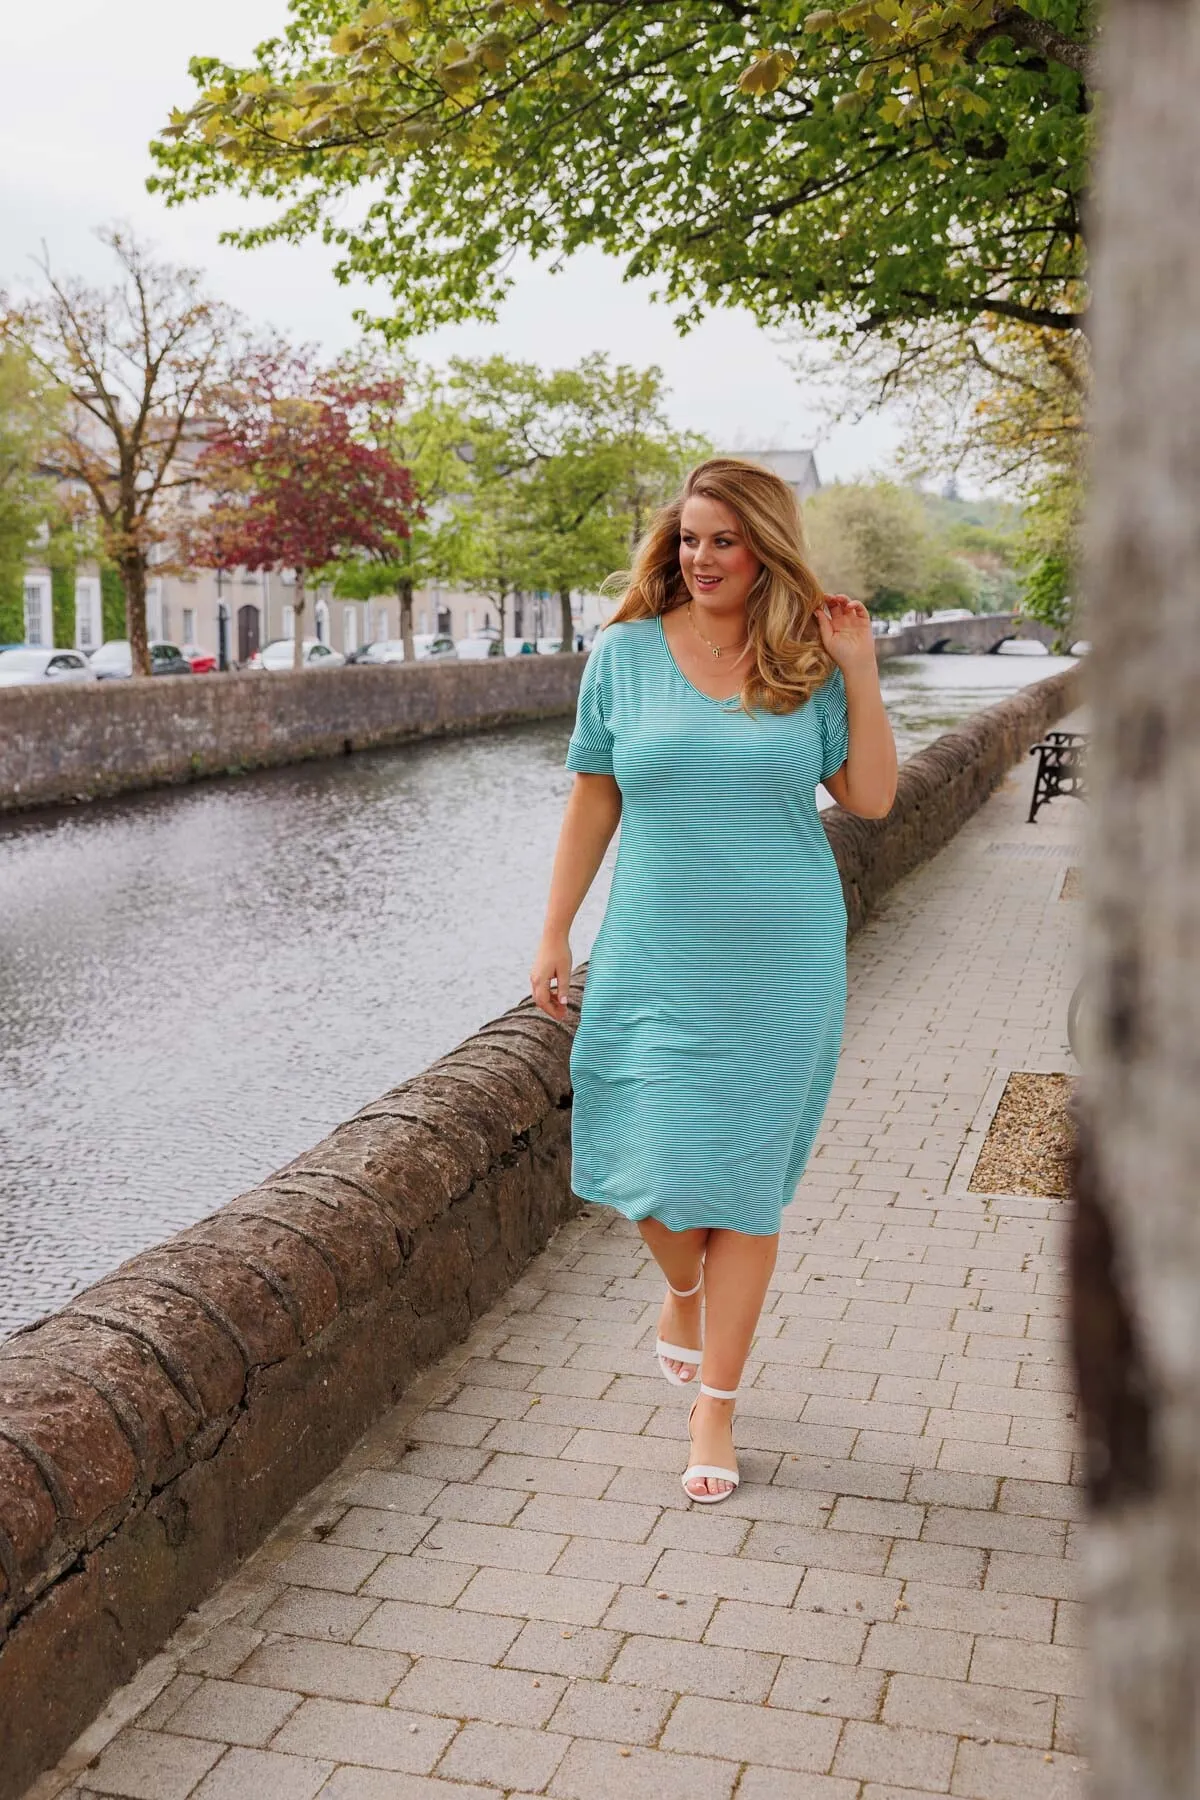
709, 1471
675, 1351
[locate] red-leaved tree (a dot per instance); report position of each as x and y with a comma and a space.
298, 472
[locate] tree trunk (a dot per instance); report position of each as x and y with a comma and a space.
405, 591
1136, 1250
298, 621
567, 623
501, 610
132, 570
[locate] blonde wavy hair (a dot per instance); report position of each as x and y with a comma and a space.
787, 660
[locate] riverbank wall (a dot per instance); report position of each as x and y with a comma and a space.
157, 1428
60, 745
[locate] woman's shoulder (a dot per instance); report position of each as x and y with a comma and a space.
624, 640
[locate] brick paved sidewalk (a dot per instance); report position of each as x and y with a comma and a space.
503, 1590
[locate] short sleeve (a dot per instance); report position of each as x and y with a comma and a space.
591, 746
835, 725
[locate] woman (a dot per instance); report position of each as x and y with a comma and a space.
724, 689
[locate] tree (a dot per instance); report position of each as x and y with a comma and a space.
134, 363
886, 163
568, 464
871, 541
297, 473
429, 435
1136, 1230
29, 412
1005, 404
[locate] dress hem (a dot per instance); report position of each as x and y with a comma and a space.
635, 1218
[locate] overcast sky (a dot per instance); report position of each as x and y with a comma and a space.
87, 83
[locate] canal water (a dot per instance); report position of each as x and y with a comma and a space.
196, 984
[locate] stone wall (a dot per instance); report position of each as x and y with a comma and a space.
78, 743
155, 1430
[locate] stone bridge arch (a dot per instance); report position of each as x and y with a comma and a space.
983, 635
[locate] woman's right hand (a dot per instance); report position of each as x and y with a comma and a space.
550, 976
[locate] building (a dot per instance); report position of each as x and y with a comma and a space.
234, 613
797, 467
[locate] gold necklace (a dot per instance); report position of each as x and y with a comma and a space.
718, 650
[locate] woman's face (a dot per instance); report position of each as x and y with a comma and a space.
718, 566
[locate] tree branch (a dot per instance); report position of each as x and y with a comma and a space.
1021, 28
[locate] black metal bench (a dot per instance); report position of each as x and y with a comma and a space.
1061, 768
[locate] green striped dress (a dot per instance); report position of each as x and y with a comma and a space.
712, 1015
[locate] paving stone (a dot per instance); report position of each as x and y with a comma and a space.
605, 1709
438, 1631
233, 1712
986, 1614
151, 1765
592, 1769
969, 1709
596, 1559
908, 1649
1044, 1668
340, 1731
540, 1475
463, 1690
509, 1756
476, 1504
1004, 1772
822, 1687
843, 1550
889, 1753
563, 1598
759, 1734
349, 1783
775, 1784
307, 1612
729, 1577
426, 1580
224, 1650
1054, 1576
329, 1566
787, 1631
374, 1528
701, 1528
995, 1531
685, 1668
386, 1489
259, 1774
865, 1597
888, 1519
582, 1517
497, 1546
577, 1650
951, 1565
337, 1671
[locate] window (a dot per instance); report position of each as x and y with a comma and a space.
154, 609
88, 626
470, 620
189, 624
287, 626
381, 622
349, 629
39, 630
322, 618
423, 622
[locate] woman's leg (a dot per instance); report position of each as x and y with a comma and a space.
680, 1256
737, 1272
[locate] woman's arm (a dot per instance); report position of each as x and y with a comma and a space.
592, 816
866, 782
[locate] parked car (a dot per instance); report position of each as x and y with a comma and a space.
472, 649
519, 646
427, 646
203, 662
279, 656
946, 613
113, 661
18, 667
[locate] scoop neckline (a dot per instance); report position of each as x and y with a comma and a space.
730, 700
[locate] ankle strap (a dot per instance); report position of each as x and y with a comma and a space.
686, 1293
718, 1393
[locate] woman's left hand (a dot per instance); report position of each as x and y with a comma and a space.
845, 628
